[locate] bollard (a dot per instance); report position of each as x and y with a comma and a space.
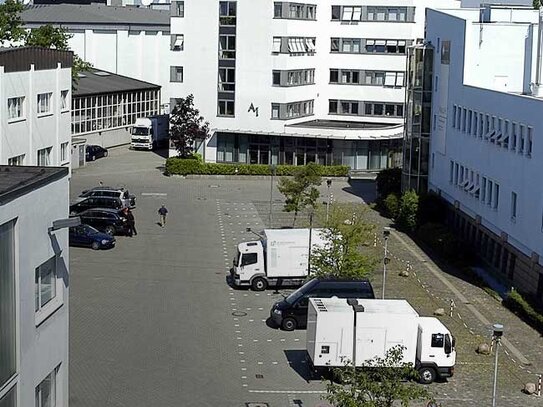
491, 345
539, 385
452, 305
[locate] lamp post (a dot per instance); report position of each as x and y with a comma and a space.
386, 234
270, 218
496, 336
328, 184
309, 250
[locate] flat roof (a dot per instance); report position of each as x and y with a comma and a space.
99, 82
371, 306
94, 14
16, 181
342, 124
19, 59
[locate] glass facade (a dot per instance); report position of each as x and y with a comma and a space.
417, 118
105, 112
267, 149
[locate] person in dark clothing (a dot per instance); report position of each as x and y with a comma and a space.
162, 212
131, 222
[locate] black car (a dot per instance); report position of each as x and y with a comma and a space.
92, 152
128, 199
106, 220
96, 202
87, 236
291, 312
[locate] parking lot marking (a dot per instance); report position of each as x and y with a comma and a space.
244, 368
154, 194
241, 353
268, 340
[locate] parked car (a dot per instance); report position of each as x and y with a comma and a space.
96, 202
291, 312
106, 220
128, 200
92, 152
87, 236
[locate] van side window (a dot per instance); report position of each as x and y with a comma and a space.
248, 259
437, 340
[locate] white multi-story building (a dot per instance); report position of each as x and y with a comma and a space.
35, 88
34, 264
291, 83
129, 41
486, 154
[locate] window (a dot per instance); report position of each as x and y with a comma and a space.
513, 206
276, 78
292, 110
336, 13
451, 172
522, 131
46, 391
227, 46
275, 111
15, 107
176, 74
438, 340
10, 398
177, 8
226, 108
44, 103
276, 44
227, 79
45, 279
8, 354
44, 156
64, 152
248, 259
496, 197
64, 101
227, 13
17, 160
177, 42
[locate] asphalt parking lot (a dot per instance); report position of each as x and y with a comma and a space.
153, 321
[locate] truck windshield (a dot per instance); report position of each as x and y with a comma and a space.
296, 295
140, 131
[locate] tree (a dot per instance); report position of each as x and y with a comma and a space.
346, 233
407, 214
389, 181
11, 24
187, 126
378, 384
300, 191
536, 4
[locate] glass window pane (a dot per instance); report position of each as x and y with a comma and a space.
7, 303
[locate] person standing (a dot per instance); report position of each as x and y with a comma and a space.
162, 212
131, 222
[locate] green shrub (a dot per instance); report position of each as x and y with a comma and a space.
407, 213
440, 239
389, 181
516, 303
392, 205
180, 166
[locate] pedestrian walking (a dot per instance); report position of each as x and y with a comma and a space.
131, 222
162, 212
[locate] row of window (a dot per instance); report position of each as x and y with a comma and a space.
510, 135
298, 77
227, 46
364, 77
294, 45
476, 185
294, 11
285, 111
367, 46
369, 13
44, 105
227, 79
362, 108
227, 13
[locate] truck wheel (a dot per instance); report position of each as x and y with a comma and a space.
288, 324
427, 375
259, 284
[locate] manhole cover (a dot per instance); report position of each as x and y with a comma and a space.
239, 313
259, 376
257, 405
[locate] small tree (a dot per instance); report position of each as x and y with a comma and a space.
11, 24
407, 214
300, 191
187, 126
379, 384
345, 234
389, 181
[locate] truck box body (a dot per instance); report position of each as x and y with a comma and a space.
340, 333
150, 132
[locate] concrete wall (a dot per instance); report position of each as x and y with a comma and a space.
41, 346
108, 138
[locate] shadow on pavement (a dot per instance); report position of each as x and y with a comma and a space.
297, 359
364, 189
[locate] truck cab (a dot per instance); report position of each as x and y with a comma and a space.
249, 268
142, 134
436, 353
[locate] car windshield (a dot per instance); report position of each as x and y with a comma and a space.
89, 229
296, 295
140, 131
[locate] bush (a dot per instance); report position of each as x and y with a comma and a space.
517, 304
440, 239
389, 181
180, 166
407, 213
392, 205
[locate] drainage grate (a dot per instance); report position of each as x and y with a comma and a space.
257, 405
259, 376
239, 313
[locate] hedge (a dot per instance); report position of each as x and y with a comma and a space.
180, 166
516, 303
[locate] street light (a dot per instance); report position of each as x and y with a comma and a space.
496, 337
386, 234
328, 184
273, 167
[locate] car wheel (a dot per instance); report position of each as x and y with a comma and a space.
95, 245
105, 153
110, 230
427, 375
288, 324
259, 284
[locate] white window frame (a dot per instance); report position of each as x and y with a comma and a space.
64, 100
16, 108
45, 310
52, 381
44, 105
64, 152
17, 160
178, 42
276, 46
47, 155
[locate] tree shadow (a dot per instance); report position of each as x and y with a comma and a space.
362, 188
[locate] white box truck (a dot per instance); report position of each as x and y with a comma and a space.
150, 132
356, 330
279, 257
